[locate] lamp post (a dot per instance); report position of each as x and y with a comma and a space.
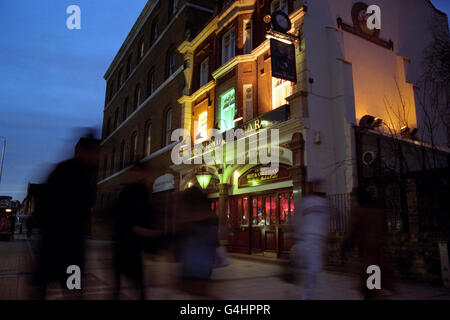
3, 156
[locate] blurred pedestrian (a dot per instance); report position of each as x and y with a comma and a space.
29, 225
62, 210
367, 236
198, 241
312, 218
134, 221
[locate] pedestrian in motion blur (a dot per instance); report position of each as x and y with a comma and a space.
367, 235
311, 226
62, 212
197, 241
134, 222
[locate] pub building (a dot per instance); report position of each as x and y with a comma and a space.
313, 70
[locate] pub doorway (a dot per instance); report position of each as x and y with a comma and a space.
260, 223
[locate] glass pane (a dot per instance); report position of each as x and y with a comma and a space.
227, 110
284, 208
245, 211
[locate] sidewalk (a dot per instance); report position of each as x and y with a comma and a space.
243, 279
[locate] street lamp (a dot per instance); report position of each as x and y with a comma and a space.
3, 156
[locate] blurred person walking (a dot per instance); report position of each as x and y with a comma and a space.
134, 222
367, 235
311, 226
62, 212
197, 242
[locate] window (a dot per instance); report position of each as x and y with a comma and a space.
248, 36
137, 97
150, 83
116, 119
171, 62
129, 64
204, 72
154, 31
133, 149
173, 7
105, 167
125, 109
228, 45
122, 155
113, 158
202, 128
281, 89
279, 5
227, 110
141, 50
168, 127
120, 78
108, 127
111, 90
148, 139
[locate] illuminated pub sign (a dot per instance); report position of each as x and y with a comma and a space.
253, 177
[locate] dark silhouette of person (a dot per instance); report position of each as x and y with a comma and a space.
134, 222
197, 242
29, 225
62, 212
367, 235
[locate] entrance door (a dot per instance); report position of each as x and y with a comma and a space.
240, 225
258, 221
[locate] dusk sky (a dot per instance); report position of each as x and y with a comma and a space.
52, 79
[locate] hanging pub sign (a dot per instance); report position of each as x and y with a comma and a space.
283, 60
254, 176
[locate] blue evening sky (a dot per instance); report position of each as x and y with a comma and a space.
52, 79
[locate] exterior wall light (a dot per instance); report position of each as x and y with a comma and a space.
203, 179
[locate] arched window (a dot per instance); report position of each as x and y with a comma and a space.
141, 50
154, 31
148, 139
122, 155
171, 62
137, 97
133, 149
129, 64
108, 127
105, 167
113, 160
125, 109
173, 7
168, 127
120, 77
116, 119
150, 83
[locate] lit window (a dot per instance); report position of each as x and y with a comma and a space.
204, 71
248, 38
168, 127
228, 45
202, 128
148, 139
281, 89
279, 5
227, 110
133, 150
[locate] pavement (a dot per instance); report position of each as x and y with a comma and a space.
243, 279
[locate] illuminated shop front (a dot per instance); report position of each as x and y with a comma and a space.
257, 209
